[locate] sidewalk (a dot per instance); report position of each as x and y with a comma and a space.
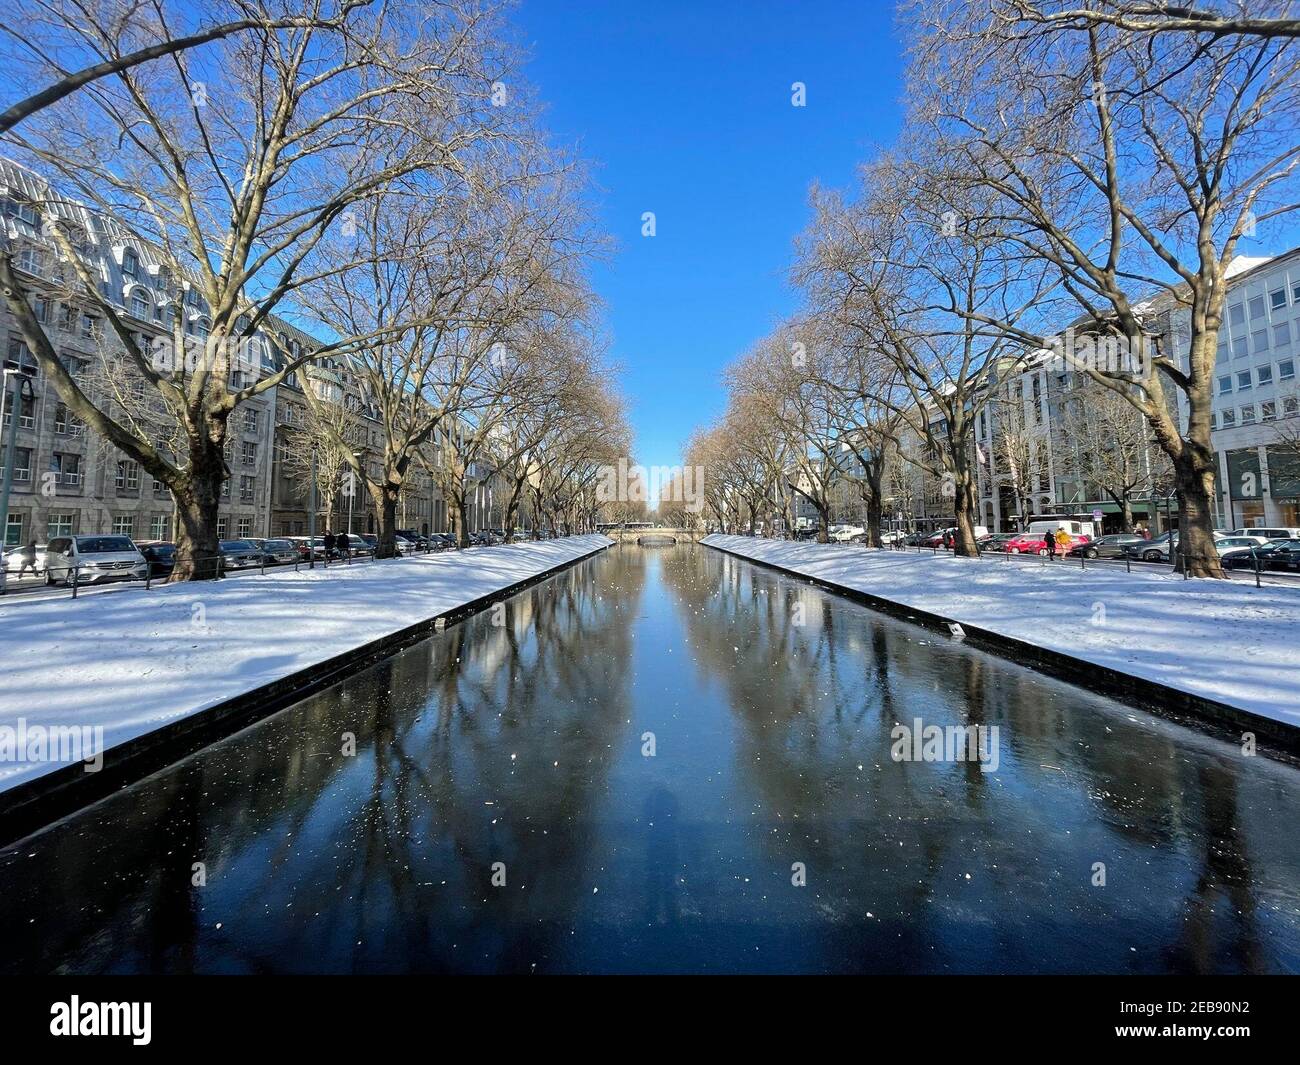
1224, 641
137, 660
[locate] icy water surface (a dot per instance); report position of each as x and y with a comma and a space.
517, 751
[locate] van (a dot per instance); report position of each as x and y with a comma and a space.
1268, 534
1078, 530
92, 559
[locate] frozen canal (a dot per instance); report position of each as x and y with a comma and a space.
521, 752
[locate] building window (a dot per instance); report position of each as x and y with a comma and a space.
123, 525
1264, 375
130, 264
1239, 347
90, 326
1257, 307
61, 419
1268, 411
1277, 299
59, 525
1295, 292
248, 452
221, 528
246, 489
66, 467
28, 260
22, 464
1243, 380
1237, 314
1214, 420
1290, 406
128, 476
1248, 415
1225, 385
26, 411
13, 530
250, 420
1286, 369
158, 527
245, 527
140, 306
1229, 418
1259, 340
1282, 334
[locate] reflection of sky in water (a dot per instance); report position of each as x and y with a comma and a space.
771, 706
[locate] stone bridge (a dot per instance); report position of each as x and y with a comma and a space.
630, 536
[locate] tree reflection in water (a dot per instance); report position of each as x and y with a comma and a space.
770, 704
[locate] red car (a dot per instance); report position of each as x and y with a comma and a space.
1034, 543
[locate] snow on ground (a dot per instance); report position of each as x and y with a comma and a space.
136, 660
1227, 641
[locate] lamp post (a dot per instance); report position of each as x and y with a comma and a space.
311, 516
352, 489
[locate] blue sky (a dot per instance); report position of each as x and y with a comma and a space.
684, 110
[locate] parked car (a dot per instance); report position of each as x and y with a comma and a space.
443, 541
1273, 554
278, 552
93, 559
1110, 546
1035, 543
1269, 534
842, 534
239, 554
1154, 550
161, 556
996, 542
420, 541
358, 545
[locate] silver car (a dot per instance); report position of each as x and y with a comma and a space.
93, 559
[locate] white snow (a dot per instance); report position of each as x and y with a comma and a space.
136, 660
1222, 640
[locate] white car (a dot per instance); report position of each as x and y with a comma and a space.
844, 533
93, 558
1234, 542
1269, 534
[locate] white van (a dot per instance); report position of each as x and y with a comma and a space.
1273, 533
1077, 529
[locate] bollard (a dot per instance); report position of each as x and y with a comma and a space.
1256, 558
75, 574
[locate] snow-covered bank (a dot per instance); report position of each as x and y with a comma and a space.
1229, 642
137, 660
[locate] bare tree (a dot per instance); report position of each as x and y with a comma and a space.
232, 164
1144, 16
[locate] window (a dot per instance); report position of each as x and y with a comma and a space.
1286, 369
250, 421
124, 525
67, 468
1243, 380
58, 525
1225, 385
90, 326
1238, 347
13, 530
128, 476
1282, 334
1248, 415
1290, 406
1257, 307
1237, 314
22, 464
1259, 340
246, 489
158, 487
28, 260
19, 356
1268, 411
130, 264
41, 307
1264, 375
1277, 299
26, 412
1214, 420
1229, 417
248, 452
225, 489
221, 528
23, 211
140, 306
1295, 292
61, 419
245, 527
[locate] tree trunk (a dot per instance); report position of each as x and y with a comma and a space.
1194, 474
385, 499
964, 505
462, 520
197, 550
875, 511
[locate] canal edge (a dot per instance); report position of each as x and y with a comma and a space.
35, 804
1277, 740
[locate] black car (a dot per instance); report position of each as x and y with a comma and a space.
1275, 555
419, 539
239, 554
277, 552
160, 555
1114, 545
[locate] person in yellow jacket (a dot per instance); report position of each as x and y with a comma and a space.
1062, 542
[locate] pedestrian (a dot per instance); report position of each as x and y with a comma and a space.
1049, 542
343, 544
329, 544
1062, 542
27, 557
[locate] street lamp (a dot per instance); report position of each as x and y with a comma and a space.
352, 489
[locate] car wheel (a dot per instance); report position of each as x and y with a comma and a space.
1042, 551
1013, 550
1092, 553
49, 578
1150, 556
